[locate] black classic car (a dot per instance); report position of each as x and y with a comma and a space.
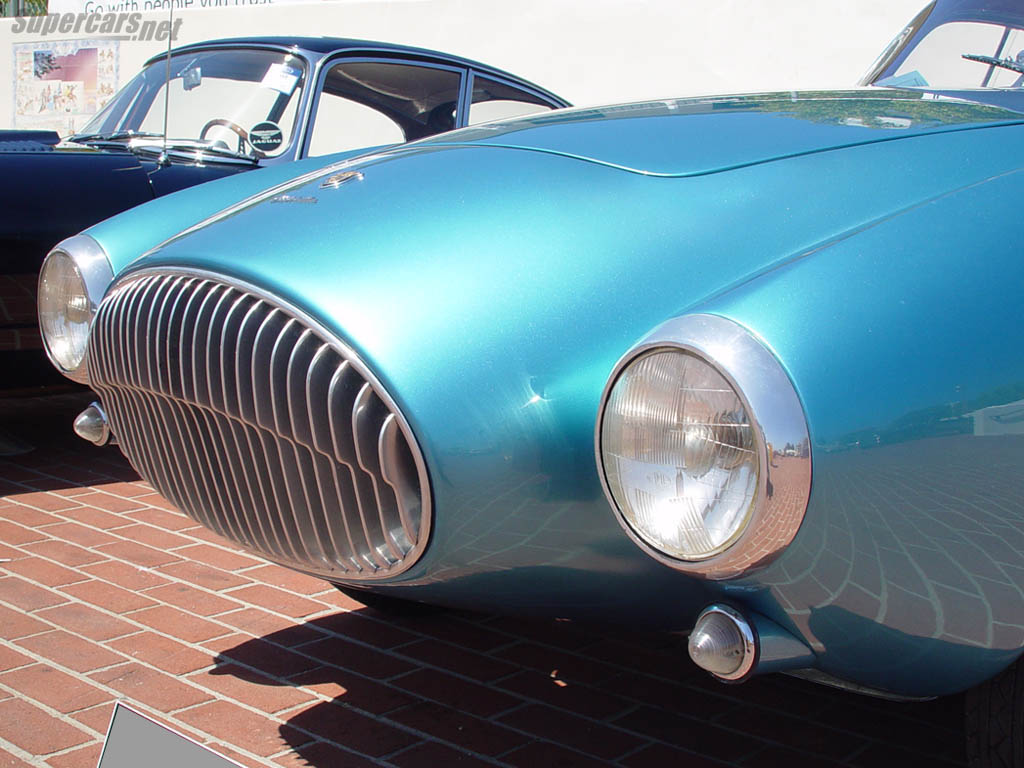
216, 109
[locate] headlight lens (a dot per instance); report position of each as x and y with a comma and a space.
680, 454
71, 283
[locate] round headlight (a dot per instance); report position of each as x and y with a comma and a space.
72, 280
679, 454
703, 448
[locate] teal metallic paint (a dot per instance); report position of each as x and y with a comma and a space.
492, 288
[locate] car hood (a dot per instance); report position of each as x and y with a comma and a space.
689, 137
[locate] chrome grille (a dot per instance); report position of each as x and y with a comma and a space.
259, 425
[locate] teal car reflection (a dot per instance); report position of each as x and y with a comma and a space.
740, 366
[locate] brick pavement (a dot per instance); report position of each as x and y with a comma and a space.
107, 593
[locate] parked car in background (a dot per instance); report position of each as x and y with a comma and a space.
739, 366
231, 106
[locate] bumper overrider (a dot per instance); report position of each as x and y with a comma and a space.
262, 425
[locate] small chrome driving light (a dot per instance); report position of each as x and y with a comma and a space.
723, 643
72, 281
703, 448
92, 425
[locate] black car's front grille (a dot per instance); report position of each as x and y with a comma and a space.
259, 425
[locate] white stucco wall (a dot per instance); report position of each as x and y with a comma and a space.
591, 52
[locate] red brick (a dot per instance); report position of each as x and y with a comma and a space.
346, 688
571, 667
234, 754
26, 596
161, 518
70, 651
48, 502
368, 661
274, 628
570, 696
458, 727
254, 689
65, 553
261, 655
278, 600
356, 731
91, 538
10, 658
194, 600
15, 624
43, 571
109, 503
27, 516
7, 760
204, 575
463, 633
125, 490
154, 537
431, 753
467, 663
163, 692
320, 753
97, 718
37, 732
97, 518
285, 578
231, 723
137, 553
218, 558
481, 700
86, 621
10, 553
156, 500
658, 755
108, 596
546, 755
178, 624
83, 757
126, 575
356, 626
12, 533
584, 735
54, 688
162, 652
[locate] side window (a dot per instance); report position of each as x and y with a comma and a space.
494, 100
369, 103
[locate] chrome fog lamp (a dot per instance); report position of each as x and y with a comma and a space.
73, 279
723, 643
695, 437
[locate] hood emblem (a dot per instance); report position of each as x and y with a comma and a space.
336, 180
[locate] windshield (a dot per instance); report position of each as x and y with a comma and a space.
959, 45
237, 101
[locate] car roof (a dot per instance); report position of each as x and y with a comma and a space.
322, 46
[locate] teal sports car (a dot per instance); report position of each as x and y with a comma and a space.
741, 366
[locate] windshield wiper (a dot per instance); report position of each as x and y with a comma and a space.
1009, 64
115, 136
190, 146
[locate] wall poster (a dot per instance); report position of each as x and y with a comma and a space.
60, 84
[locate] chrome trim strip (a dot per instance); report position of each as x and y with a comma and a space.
764, 388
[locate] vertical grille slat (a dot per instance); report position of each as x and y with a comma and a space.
260, 425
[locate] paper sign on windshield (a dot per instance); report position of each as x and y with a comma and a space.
281, 78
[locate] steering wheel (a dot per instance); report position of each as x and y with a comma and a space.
243, 136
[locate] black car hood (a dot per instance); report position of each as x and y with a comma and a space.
689, 137
58, 190
28, 141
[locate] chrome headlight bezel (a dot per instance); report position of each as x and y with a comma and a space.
93, 266
764, 388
